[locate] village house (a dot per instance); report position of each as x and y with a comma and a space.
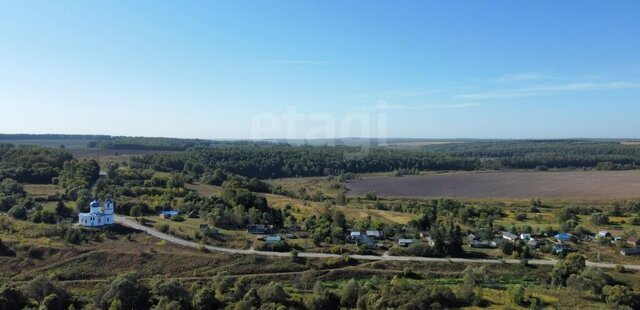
257, 229
563, 237
364, 240
630, 251
354, 236
633, 241
271, 239
509, 236
604, 234
374, 234
525, 236
480, 244
558, 249
168, 214
403, 242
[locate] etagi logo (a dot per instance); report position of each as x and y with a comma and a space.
359, 128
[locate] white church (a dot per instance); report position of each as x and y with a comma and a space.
97, 216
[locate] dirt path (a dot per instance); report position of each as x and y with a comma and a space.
175, 240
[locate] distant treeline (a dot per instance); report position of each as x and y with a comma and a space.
531, 154
276, 161
52, 137
163, 144
129, 143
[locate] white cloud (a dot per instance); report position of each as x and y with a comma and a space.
523, 76
383, 105
290, 62
547, 90
397, 93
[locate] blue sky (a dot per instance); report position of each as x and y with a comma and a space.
318, 69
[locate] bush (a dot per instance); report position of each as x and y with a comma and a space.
128, 289
617, 295
517, 295
163, 227
281, 246
18, 212
521, 216
599, 219
177, 218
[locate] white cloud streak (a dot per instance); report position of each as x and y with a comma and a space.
290, 62
383, 105
547, 90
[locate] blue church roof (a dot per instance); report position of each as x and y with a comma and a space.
95, 204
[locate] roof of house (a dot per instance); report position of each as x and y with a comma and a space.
402, 240
630, 251
563, 236
170, 212
355, 234
632, 239
375, 233
603, 233
273, 238
508, 235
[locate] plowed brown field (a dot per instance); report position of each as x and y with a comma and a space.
556, 185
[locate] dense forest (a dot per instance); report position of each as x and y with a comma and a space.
31, 164
276, 161
531, 154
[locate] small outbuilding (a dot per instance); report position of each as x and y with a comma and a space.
630, 251
563, 237
525, 236
405, 242
168, 214
257, 229
633, 241
558, 249
273, 239
375, 234
509, 236
604, 234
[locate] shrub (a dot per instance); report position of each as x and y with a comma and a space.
517, 295
18, 212
163, 227
273, 292
599, 219
617, 295
177, 218
574, 263
128, 289
521, 216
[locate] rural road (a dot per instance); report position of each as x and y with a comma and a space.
179, 241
